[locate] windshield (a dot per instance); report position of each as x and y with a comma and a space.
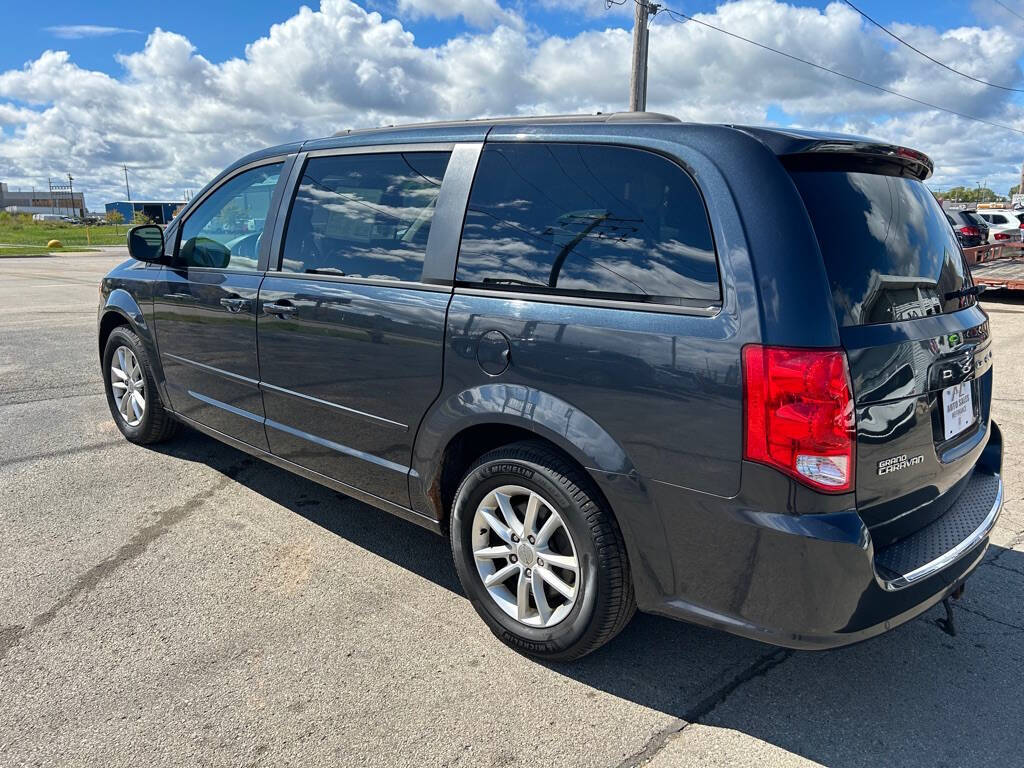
888, 249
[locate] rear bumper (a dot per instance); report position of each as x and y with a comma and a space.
815, 581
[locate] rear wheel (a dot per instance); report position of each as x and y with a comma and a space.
542, 561
131, 390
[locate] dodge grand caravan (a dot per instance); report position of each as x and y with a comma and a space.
732, 375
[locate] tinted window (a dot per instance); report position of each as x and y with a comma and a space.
364, 215
224, 230
888, 252
993, 218
609, 221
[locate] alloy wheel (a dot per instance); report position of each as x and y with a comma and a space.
525, 556
128, 386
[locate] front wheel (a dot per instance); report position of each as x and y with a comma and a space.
541, 560
131, 390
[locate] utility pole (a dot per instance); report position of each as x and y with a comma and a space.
71, 193
641, 35
127, 190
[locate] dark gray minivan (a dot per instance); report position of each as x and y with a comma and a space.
737, 376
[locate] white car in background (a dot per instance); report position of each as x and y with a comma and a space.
1003, 225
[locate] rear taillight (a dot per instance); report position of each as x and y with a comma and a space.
799, 414
970, 232
1001, 236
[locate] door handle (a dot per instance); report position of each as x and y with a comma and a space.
234, 304
279, 308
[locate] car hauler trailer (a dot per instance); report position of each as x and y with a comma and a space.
997, 266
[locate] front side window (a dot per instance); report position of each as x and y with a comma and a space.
364, 216
589, 220
225, 230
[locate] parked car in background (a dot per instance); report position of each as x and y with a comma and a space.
1003, 225
614, 372
971, 230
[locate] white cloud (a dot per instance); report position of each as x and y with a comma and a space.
78, 31
479, 13
176, 117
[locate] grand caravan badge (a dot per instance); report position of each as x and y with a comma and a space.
896, 463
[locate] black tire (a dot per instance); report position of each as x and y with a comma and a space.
605, 602
156, 424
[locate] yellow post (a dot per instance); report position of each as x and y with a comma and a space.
88, 240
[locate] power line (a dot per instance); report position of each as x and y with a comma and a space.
1009, 9
918, 51
683, 18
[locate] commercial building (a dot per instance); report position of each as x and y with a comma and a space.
158, 211
57, 199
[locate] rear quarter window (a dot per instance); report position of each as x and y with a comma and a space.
587, 220
888, 250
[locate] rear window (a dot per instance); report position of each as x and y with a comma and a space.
889, 252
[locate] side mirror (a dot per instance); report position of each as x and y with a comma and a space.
146, 242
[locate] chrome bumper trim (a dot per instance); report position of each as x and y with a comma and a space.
948, 558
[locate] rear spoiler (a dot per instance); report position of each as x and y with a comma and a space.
886, 159
812, 150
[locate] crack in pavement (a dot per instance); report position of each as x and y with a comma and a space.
67, 385
761, 666
982, 614
53, 398
62, 453
12, 636
1011, 546
994, 564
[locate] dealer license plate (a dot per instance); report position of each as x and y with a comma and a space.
957, 409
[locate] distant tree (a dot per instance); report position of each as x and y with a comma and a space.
1015, 189
115, 218
968, 195
141, 218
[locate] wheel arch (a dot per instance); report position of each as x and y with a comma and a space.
111, 319
463, 426
121, 309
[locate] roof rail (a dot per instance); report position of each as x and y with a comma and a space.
597, 117
641, 117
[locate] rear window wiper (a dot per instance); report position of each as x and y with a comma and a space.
511, 281
974, 290
325, 271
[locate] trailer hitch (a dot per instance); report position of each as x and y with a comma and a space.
947, 625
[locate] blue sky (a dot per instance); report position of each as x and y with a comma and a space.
178, 90
221, 30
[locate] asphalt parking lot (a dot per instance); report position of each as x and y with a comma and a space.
190, 605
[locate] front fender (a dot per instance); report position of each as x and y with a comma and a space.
123, 303
575, 433
120, 302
